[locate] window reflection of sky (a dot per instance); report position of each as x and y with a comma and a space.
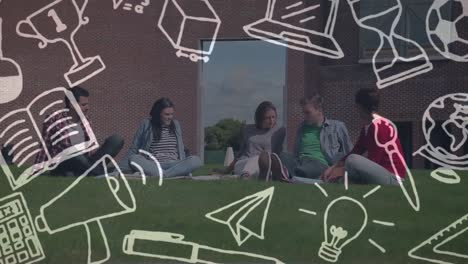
240, 75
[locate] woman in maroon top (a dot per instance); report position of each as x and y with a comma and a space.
384, 162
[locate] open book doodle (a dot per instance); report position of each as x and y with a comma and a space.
22, 129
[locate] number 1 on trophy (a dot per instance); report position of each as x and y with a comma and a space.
60, 25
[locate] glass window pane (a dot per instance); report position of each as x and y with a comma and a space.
238, 77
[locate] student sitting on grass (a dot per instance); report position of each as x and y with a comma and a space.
379, 166
259, 144
53, 127
161, 136
320, 142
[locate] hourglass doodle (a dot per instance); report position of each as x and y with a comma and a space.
387, 71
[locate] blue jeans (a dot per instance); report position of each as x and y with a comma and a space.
303, 167
361, 170
170, 169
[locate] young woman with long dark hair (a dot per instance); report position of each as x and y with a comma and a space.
161, 136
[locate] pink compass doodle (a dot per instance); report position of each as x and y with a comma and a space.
59, 22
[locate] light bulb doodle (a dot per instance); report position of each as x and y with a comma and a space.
337, 233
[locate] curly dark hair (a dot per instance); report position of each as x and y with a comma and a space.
368, 99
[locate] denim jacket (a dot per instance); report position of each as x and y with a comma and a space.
142, 140
334, 140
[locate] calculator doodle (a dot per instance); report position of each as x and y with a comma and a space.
19, 243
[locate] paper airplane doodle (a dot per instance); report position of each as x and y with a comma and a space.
234, 215
434, 250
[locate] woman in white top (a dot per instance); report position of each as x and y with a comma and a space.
259, 141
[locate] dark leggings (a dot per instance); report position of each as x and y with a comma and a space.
76, 166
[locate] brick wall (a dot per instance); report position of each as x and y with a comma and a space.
142, 66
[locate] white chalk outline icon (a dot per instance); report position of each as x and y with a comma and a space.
22, 124
190, 52
446, 29
435, 242
116, 4
391, 149
10, 86
293, 36
17, 229
139, 9
155, 160
331, 248
425, 65
447, 176
459, 118
83, 68
116, 185
240, 211
190, 252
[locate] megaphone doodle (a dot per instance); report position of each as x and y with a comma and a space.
82, 209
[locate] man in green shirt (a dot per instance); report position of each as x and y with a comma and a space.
320, 142
310, 144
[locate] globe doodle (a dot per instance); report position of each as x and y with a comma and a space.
454, 110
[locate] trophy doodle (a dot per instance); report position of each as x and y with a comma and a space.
58, 22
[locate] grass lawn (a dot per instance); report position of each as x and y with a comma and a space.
179, 206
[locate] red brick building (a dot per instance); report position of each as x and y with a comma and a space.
141, 66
